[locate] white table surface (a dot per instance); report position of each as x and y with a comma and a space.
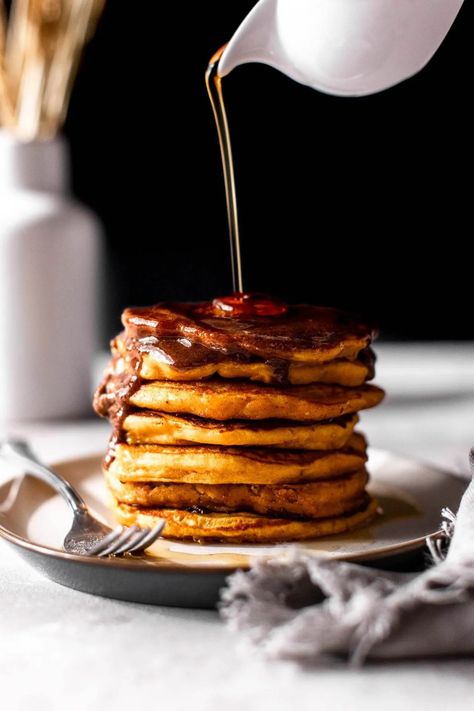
62, 649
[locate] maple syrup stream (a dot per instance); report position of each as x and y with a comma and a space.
214, 89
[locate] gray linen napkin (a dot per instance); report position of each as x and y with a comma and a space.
301, 607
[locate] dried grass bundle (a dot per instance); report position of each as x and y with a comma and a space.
40, 48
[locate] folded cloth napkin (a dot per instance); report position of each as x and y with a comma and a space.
301, 607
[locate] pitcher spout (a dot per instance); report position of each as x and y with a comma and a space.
342, 47
256, 40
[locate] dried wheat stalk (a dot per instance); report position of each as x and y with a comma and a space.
39, 61
6, 107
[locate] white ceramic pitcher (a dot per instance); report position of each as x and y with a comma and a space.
342, 47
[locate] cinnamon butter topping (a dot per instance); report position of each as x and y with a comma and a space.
189, 334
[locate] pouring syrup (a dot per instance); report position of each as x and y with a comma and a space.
240, 302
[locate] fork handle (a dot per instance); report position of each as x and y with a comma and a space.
20, 450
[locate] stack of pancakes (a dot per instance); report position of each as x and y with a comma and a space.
239, 428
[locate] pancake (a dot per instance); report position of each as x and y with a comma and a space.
146, 427
222, 400
312, 334
242, 527
203, 464
330, 497
155, 365
234, 420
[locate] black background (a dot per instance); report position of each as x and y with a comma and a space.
357, 202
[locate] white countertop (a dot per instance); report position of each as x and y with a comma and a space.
62, 649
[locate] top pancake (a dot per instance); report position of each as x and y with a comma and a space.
169, 360
304, 333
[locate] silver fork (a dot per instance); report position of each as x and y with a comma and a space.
87, 535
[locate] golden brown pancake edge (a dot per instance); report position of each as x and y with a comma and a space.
148, 427
205, 464
222, 400
242, 527
329, 497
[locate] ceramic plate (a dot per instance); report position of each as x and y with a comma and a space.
34, 520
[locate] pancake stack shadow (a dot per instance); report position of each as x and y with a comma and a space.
239, 429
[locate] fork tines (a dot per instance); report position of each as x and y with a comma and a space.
127, 539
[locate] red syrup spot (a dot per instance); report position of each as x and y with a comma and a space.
242, 304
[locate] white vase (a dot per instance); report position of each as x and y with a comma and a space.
50, 254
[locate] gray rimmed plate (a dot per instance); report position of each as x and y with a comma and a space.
34, 520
